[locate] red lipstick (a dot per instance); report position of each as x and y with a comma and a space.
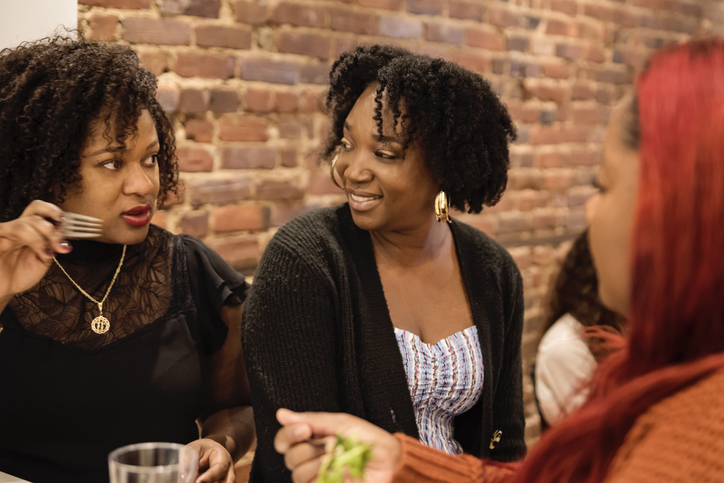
138, 216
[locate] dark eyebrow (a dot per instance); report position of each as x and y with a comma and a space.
382, 139
110, 149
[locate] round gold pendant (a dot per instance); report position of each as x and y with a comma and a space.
100, 325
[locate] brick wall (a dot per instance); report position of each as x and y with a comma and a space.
243, 81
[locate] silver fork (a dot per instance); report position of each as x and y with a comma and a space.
75, 226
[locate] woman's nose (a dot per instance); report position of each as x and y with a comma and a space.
353, 167
139, 182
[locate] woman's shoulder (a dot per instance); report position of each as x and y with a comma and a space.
677, 439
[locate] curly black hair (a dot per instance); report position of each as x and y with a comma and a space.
576, 291
51, 90
459, 122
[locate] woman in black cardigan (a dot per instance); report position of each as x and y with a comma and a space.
368, 308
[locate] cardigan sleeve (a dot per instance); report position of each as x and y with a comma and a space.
289, 343
423, 464
508, 411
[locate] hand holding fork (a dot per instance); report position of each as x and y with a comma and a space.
29, 243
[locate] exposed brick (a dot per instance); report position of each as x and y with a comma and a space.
137, 30
320, 183
545, 135
613, 76
554, 159
241, 218
153, 60
484, 39
286, 102
596, 54
276, 190
224, 99
586, 157
497, 66
521, 179
530, 200
268, 70
597, 11
424, 7
194, 160
311, 101
194, 223
436, 32
259, 100
312, 45
514, 221
198, 130
559, 27
625, 18
505, 18
591, 31
569, 51
251, 12
103, 27
300, 15
651, 4
314, 74
546, 220
555, 179
204, 65
244, 129
218, 190
237, 251
197, 8
383, 4
131, 4
557, 71
248, 158
547, 117
168, 96
576, 134
555, 93
401, 27
466, 10
176, 198
576, 220
289, 157
223, 36
569, 7
542, 46
472, 61
194, 100
577, 197
585, 115
581, 92
691, 9
519, 44
358, 23
521, 160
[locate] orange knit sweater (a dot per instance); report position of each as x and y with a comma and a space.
678, 440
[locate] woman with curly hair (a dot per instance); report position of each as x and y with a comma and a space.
385, 307
654, 414
566, 356
123, 338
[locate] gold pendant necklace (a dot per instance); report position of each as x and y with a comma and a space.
100, 324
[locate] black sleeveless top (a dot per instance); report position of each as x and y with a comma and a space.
68, 396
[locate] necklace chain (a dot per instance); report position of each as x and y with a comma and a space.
100, 324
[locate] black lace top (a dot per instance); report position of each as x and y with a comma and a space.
68, 396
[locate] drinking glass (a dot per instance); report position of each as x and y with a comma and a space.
153, 463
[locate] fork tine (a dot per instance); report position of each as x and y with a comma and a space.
83, 224
78, 217
78, 236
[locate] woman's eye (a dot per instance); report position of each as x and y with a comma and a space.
385, 155
151, 160
113, 164
596, 183
345, 144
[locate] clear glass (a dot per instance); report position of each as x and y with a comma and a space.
153, 463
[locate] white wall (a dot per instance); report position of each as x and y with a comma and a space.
22, 20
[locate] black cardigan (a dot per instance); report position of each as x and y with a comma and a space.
318, 336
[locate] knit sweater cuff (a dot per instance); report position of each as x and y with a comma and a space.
421, 463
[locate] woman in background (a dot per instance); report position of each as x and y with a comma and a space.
655, 411
566, 357
130, 337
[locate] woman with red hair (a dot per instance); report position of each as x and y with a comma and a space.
656, 410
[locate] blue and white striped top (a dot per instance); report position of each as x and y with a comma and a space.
445, 380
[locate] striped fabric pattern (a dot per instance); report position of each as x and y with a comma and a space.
445, 380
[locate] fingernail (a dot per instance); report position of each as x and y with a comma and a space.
67, 247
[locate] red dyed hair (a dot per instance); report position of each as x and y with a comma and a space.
677, 302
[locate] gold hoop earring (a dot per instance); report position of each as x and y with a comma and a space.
332, 169
442, 207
